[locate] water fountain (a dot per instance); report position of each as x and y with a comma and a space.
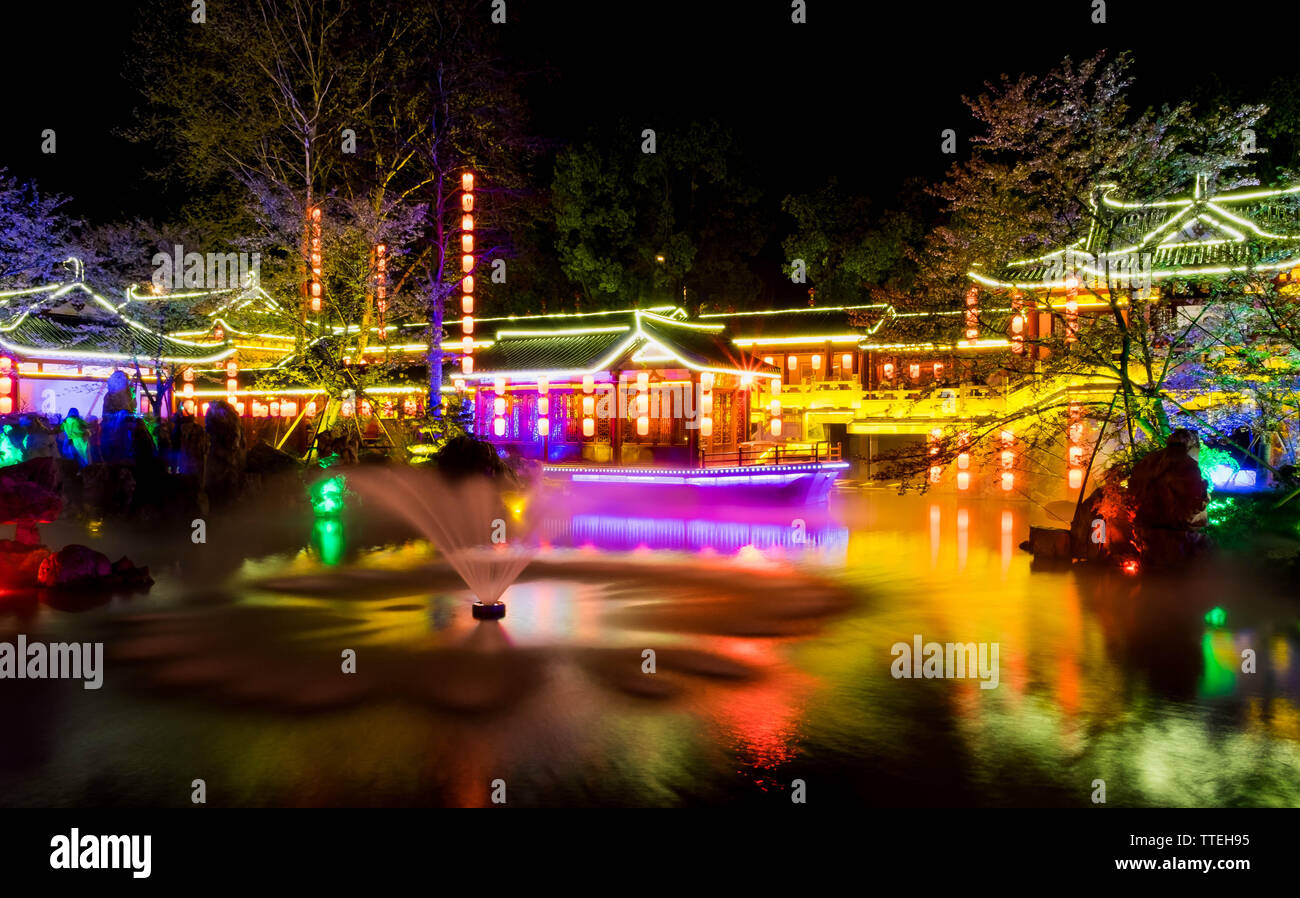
485, 538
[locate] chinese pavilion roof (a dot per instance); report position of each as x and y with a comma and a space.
941, 330
587, 344
72, 321
1202, 234
803, 325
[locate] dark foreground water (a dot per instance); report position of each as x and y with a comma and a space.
773, 663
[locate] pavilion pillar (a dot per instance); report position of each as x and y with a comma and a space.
693, 433
616, 421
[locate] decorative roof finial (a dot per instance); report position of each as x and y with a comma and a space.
1202, 187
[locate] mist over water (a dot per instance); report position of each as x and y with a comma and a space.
772, 663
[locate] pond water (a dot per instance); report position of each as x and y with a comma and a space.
773, 640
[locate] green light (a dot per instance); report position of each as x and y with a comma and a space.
327, 496
1219, 511
1216, 617
1217, 678
10, 453
328, 535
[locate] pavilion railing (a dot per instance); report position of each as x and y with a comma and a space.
774, 455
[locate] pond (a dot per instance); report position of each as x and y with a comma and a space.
774, 641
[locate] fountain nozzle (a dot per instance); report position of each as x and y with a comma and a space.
495, 611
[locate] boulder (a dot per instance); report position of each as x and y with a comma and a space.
265, 459
107, 489
1103, 525
27, 503
116, 437
120, 397
1170, 499
465, 457
74, 565
191, 447
224, 464
44, 471
1050, 543
20, 563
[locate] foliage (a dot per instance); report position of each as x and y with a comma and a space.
253, 110
35, 233
850, 250
679, 225
1211, 457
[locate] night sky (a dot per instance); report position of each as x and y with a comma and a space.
862, 91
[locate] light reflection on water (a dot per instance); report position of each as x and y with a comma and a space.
773, 663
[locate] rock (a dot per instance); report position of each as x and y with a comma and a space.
42, 440
81, 567
1103, 526
125, 573
223, 467
20, 563
107, 490
1050, 543
266, 459
342, 441
115, 437
26, 504
191, 447
465, 456
42, 471
74, 565
1170, 498
120, 397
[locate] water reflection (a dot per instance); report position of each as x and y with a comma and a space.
772, 662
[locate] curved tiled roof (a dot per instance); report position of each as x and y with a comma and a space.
1202, 234
51, 327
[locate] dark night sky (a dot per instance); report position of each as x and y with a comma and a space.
862, 91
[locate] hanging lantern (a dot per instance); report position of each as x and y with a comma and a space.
381, 287
316, 279
972, 314
1074, 447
